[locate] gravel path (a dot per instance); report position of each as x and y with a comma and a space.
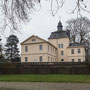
43, 86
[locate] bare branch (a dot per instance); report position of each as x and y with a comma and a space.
16, 12
59, 4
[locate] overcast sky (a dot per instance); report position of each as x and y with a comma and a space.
43, 23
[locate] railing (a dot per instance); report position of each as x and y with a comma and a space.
45, 63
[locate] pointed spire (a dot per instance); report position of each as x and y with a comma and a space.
59, 27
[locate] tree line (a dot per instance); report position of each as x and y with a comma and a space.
10, 51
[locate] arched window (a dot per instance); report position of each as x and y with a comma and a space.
33, 39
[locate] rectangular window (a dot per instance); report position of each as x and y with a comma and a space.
35, 60
62, 53
40, 47
55, 51
40, 58
79, 51
72, 51
51, 49
48, 59
58, 45
62, 60
61, 45
48, 47
79, 60
26, 48
72, 60
51, 59
26, 59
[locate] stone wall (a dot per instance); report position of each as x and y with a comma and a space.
45, 68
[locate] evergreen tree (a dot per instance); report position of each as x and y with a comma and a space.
1, 51
0, 47
12, 50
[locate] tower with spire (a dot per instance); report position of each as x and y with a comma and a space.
60, 26
60, 33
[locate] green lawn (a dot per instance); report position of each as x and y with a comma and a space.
2, 88
46, 78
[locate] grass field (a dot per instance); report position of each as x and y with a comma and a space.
2, 88
46, 78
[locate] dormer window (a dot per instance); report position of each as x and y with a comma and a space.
33, 39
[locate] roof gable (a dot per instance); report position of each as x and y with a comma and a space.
33, 39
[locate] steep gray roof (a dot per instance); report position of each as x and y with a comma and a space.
59, 34
76, 44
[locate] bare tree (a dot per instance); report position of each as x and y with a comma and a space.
79, 27
18, 11
83, 28
72, 26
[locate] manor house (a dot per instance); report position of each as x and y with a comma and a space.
58, 48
